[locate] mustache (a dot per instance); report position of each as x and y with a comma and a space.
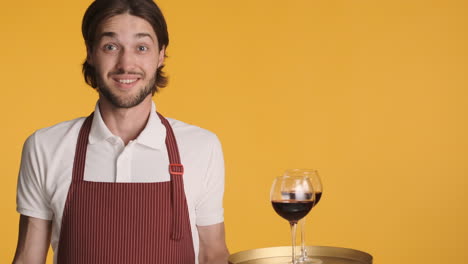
121, 72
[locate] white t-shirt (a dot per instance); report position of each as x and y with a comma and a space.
47, 162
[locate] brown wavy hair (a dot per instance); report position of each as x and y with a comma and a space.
100, 10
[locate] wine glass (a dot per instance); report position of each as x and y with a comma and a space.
292, 198
317, 186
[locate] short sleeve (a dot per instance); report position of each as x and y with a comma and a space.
209, 208
30, 197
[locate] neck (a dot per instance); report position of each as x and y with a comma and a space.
127, 123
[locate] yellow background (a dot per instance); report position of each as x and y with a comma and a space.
371, 93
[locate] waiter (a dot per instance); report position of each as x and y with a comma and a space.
125, 184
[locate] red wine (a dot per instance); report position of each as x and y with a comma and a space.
292, 210
318, 195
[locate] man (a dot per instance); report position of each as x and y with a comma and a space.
124, 185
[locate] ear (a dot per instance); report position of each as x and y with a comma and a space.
162, 55
89, 57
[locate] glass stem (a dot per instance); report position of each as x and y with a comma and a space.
293, 238
303, 248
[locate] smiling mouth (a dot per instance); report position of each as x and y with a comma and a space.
127, 81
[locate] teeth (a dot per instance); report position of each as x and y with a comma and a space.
127, 81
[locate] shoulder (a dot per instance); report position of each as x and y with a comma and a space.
184, 131
52, 136
198, 147
61, 128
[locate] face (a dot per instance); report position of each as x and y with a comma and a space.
126, 57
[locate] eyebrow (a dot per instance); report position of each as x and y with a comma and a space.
107, 34
142, 35
114, 35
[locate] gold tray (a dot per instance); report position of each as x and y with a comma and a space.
277, 255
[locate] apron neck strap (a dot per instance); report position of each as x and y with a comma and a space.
80, 151
176, 170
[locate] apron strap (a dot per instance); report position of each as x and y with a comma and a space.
176, 170
80, 151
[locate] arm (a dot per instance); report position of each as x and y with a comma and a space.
213, 249
33, 240
35, 223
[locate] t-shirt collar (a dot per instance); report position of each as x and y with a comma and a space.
153, 135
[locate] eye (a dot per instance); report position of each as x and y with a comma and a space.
110, 47
142, 48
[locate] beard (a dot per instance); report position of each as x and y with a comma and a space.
126, 101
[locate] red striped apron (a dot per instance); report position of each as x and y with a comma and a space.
107, 222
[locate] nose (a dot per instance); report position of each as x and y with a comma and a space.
126, 61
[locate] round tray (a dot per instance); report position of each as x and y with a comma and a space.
277, 255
